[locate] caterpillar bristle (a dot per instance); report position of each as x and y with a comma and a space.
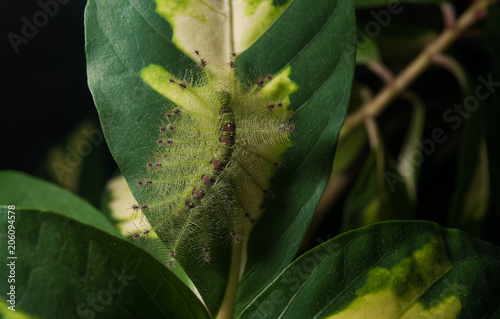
224, 139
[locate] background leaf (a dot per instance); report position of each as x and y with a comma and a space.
379, 194
26, 191
471, 195
390, 269
81, 271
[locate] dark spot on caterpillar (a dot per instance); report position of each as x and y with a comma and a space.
230, 128
279, 104
270, 106
149, 182
207, 180
227, 139
144, 207
172, 127
171, 80
207, 258
140, 183
146, 233
206, 253
135, 207
169, 141
289, 128
232, 60
262, 81
236, 238
158, 156
172, 254
149, 165
162, 129
159, 141
170, 263
218, 166
136, 236
190, 205
158, 165
203, 62
247, 215
175, 112
182, 85
198, 194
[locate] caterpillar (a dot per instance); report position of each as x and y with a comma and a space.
219, 144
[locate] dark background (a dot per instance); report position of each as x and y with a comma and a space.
46, 98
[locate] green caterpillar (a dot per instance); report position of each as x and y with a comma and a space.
218, 147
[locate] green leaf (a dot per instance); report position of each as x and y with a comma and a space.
26, 191
317, 42
65, 269
116, 202
349, 149
363, 4
122, 38
367, 52
379, 194
408, 167
471, 194
388, 270
316, 46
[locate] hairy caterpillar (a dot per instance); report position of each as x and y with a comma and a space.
218, 146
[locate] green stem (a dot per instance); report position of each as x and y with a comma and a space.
237, 262
229, 8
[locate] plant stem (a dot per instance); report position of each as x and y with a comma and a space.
237, 262
376, 105
230, 26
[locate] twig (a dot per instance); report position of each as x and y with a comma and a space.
375, 106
